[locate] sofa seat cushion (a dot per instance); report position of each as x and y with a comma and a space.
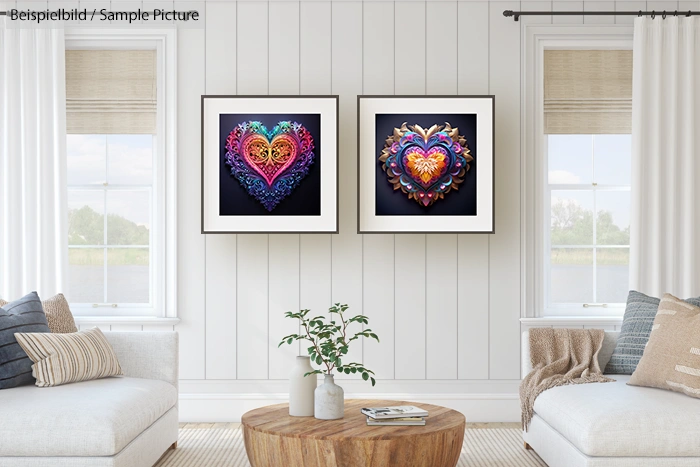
90, 418
614, 419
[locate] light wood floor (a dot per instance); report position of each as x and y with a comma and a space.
236, 425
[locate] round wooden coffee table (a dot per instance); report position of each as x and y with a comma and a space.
273, 438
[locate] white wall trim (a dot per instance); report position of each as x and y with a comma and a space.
588, 321
230, 407
535, 39
164, 233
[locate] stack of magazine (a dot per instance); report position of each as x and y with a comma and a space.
402, 415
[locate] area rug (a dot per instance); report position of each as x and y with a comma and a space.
222, 446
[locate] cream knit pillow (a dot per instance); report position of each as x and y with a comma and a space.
68, 358
671, 359
58, 313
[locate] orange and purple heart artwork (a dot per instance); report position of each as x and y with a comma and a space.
425, 163
269, 163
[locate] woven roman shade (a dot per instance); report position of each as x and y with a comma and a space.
111, 91
587, 91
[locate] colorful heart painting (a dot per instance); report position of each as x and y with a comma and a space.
269, 164
426, 164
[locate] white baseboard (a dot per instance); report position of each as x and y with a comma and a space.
202, 407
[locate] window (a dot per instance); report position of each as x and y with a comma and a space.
588, 193
121, 172
110, 219
586, 152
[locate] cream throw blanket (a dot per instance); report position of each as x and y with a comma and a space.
560, 357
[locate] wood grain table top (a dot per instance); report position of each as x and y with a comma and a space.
275, 419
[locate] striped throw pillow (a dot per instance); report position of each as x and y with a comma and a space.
23, 315
68, 358
671, 359
58, 314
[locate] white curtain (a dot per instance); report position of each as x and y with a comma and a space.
665, 222
33, 204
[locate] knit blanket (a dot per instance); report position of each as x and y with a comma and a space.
560, 357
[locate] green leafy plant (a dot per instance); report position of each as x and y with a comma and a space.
330, 340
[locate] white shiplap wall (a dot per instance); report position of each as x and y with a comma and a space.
446, 307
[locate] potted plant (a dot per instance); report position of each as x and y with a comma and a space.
330, 341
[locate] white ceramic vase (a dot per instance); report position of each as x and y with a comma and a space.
329, 400
301, 389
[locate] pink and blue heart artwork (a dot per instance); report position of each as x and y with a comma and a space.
270, 164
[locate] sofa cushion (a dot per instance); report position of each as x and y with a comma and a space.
69, 357
58, 314
22, 315
634, 335
614, 419
90, 418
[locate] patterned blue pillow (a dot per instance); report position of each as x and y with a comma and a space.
634, 335
23, 315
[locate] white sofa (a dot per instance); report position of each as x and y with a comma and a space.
613, 424
127, 421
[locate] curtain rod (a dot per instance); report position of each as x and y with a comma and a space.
517, 14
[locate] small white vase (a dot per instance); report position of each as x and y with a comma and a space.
330, 400
301, 389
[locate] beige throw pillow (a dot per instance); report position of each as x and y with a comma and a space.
671, 359
57, 312
68, 358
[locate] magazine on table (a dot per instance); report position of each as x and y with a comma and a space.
411, 421
399, 411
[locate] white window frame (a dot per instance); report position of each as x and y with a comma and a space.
534, 174
163, 247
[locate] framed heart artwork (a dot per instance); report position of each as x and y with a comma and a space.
425, 164
269, 164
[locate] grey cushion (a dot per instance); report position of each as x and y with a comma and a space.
634, 335
23, 315
91, 418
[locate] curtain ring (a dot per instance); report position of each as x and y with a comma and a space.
663, 16
653, 14
688, 15
675, 13
640, 14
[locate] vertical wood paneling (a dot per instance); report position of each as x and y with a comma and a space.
628, 6
252, 264
284, 296
253, 47
567, 6
409, 73
441, 312
191, 294
315, 66
442, 32
221, 271
409, 249
283, 39
441, 250
473, 250
473, 59
540, 5
315, 48
504, 255
345, 66
598, 6
314, 275
283, 259
253, 307
378, 250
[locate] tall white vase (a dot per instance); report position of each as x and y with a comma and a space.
301, 389
330, 400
